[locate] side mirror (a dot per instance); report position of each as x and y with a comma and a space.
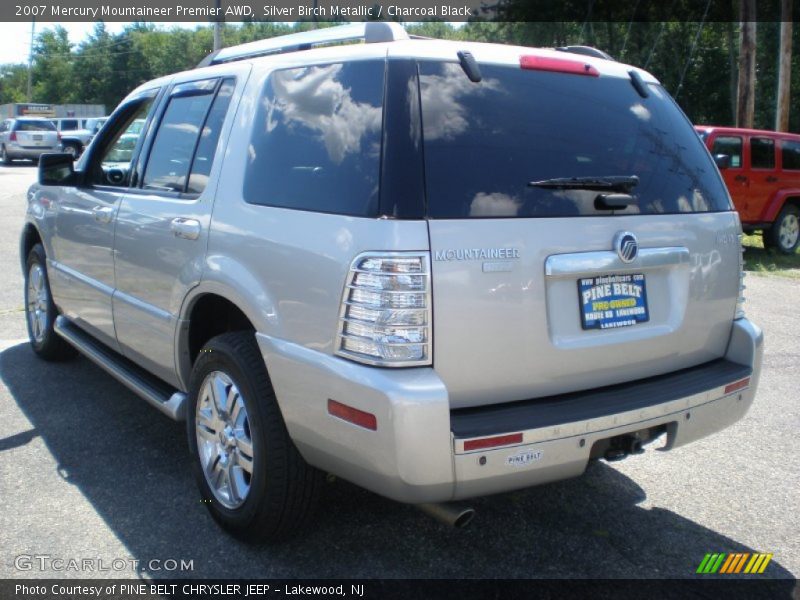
57, 169
723, 161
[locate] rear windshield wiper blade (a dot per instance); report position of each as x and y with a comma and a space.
615, 183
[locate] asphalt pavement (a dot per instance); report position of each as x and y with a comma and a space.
89, 471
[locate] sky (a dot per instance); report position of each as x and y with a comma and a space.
17, 36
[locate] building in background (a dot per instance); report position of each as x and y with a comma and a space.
50, 111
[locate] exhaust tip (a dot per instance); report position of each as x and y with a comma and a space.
454, 515
465, 518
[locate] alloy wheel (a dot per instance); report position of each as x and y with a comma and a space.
38, 302
224, 443
789, 231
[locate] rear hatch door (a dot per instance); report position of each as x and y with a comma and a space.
36, 133
540, 288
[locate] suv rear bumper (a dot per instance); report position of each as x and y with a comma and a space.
18, 151
418, 454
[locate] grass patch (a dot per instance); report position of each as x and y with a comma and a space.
757, 260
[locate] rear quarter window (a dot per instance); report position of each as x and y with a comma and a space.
483, 143
316, 141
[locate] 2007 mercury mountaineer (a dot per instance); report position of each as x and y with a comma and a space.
435, 269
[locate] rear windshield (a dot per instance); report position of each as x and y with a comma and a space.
484, 142
24, 125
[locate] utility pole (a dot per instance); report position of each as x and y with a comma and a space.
30, 60
745, 97
218, 25
784, 68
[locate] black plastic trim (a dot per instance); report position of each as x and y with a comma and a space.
402, 188
595, 403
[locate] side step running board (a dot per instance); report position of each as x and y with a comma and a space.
155, 391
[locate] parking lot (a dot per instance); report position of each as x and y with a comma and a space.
87, 470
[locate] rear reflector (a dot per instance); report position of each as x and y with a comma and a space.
737, 385
558, 65
493, 442
352, 415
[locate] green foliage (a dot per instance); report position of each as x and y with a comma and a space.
13, 83
702, 74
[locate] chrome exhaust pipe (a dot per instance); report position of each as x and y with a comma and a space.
454, 515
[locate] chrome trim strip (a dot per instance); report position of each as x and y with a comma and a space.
73, 274
145, 307
592, 263
173, 406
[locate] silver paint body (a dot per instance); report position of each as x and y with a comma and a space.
505, 329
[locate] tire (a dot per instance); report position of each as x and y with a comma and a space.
784, 235
73, 149
279, 494
40, 311
4, 157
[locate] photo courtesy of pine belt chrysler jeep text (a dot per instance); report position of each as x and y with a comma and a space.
438, 270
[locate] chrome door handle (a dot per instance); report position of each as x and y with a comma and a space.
188, 229
103, 214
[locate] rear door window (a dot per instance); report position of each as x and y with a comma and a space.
484, 142
316, 142
732, 146
171, 156
762, 153
69, 124
209, 136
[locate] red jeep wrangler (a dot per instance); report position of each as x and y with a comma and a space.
762, 172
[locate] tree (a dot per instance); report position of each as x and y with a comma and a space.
784, 68
52, 67
93, 66
745, 102
13, 83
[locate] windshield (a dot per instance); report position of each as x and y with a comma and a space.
484, 142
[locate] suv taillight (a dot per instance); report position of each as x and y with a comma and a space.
385, 318
740, 301
12, 137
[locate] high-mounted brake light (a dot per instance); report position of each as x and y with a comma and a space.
557, 65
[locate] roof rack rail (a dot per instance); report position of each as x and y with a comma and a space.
370, 32
586, 51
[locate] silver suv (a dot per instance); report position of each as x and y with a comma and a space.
435, 269
28, 138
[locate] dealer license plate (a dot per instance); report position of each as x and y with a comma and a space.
610, 301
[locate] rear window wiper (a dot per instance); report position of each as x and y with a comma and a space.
611, 183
